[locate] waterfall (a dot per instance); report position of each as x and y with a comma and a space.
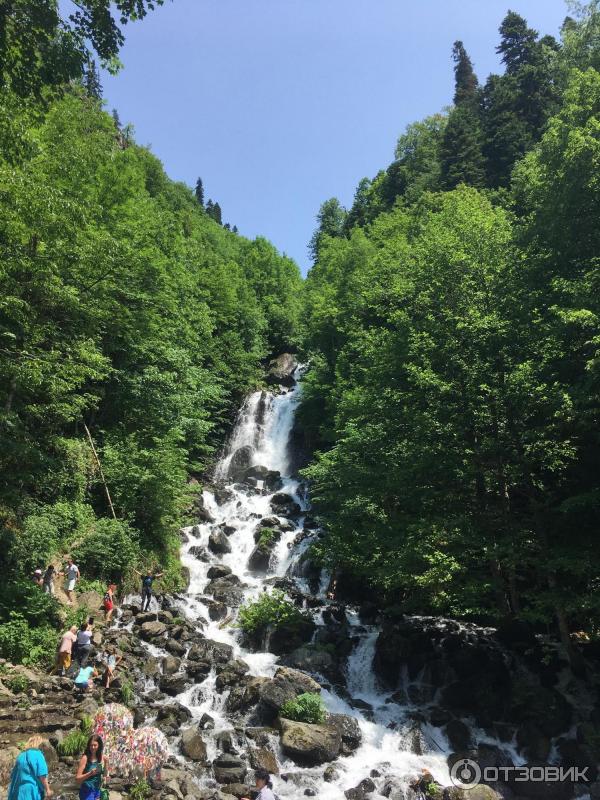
262, 436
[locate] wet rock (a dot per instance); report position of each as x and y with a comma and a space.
175, 647
290, 636
173, 684
152, 630
209, 650
145, 616
331, 774
223, 495
216, 610
171, 665
285, 685
202, 512
236, 790
246, 695
229, 769
359, 792
282, 503
312, 658
533, 744
219, 571
263, 758
307, 744
281, 370
206, 722
240, 461
349, 730
260, 559
458, 735
231, 674
224, 590
192, 744
199, 553
218, 543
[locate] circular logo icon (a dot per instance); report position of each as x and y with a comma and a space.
465, 773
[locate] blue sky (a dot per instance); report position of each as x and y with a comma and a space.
281, 104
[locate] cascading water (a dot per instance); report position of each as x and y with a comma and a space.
262, 434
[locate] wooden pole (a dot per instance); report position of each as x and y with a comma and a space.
91, 441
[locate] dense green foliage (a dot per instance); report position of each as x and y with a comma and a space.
307, 707
454, 341
271, 610
126, 310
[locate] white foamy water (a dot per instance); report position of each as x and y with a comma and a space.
265, 423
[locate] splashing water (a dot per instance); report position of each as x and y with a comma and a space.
264, 425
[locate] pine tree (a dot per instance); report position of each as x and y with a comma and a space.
91, 80
217, 213
116, 118
199, 192
466, 83
234, 229
461, 153
518, 44
210, 208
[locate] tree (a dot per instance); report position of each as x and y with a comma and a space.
199, 192
116, 119
465, 91
330, 221
461, 156
91, 80
518, 43
217, 213
40, 48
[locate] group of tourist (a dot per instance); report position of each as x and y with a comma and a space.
45, 579
29, 778
75, 646
30, 781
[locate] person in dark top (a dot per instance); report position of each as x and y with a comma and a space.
90, 769
147, 580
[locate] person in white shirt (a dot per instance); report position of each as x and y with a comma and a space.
72, 574
263, 784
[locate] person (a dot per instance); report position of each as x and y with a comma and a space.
29, 778
112, 659
37, 577
48, 579
91, 769
264, 785
108, 603
84, 642
65, 650
147, 581
72, 573
84, 679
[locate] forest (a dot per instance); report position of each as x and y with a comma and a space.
126, 311
449, 320
452, 326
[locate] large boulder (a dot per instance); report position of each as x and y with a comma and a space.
245, 695
285, 685
349, 730
226, 590
312, 658
152, 630
281, 370
212, 651
284, 504
231, 674
263, 758
240, 461
309, 745
218, 543
289, 636
192, 745
229, 769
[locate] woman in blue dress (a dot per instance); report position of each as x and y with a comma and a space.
90, 769
29, 778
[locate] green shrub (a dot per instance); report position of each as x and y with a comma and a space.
270, 610
23, 644
17, 683
267, 536
140, 790
307, 707
73, 744
108, 551
127, 695
30, 602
